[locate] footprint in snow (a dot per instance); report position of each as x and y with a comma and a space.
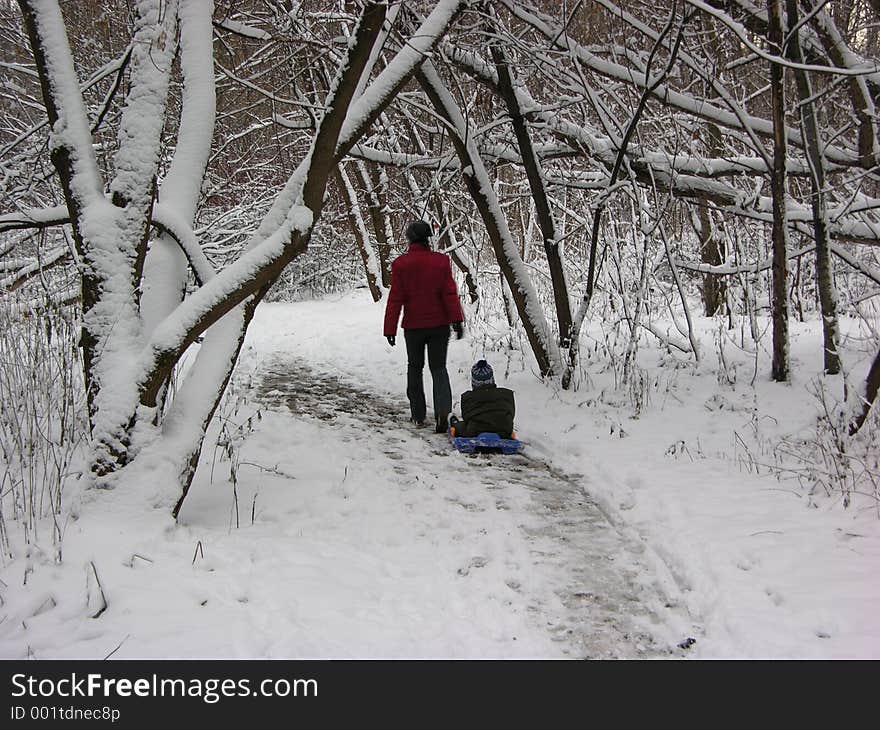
774, 596
476, 562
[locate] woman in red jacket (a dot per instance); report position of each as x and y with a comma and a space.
422, 285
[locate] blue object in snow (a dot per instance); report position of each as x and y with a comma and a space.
486, 442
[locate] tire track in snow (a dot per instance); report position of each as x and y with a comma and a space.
599, 599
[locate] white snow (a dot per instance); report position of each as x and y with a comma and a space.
358, 539
26, 267
71, 130
168, 333
143, 114
243, 29
165, 268
321, 525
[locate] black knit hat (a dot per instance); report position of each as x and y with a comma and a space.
418, 232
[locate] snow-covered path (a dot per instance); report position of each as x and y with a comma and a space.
321, 524
528, 535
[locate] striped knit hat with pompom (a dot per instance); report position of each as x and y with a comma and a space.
481, 374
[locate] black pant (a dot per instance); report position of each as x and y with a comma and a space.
437, 341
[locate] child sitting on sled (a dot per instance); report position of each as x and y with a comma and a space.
485, 409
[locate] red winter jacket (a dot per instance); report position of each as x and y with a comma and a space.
421, 283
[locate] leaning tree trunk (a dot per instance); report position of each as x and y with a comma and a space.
479, 185
192, 409
539, 194
376, 184
824, 268
780, 368
358, 227
871, 387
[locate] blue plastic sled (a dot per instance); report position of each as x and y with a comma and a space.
486, 442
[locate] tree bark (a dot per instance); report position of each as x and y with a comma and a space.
539, 195
711, 244
813, 146
327, 148
377, 205
359, 231
71, 159
111, 232
240, 316
780, 367
872, 385
225, 338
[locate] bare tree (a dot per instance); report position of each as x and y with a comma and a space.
781, 364
810, 125
126, 364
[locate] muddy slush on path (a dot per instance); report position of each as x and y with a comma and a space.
613, 607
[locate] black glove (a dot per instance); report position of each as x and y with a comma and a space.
458, 328
391, 339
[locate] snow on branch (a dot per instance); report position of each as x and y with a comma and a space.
266, 94
167, 220
371, 102
394, 76
267, 255
682, 175
393, 158
696, 107
182, 183
114, 66
743, 35
35, 218
242, 29
143, 114
580, 138
56, 257
847, 257
71, 138
732, 269
164, 218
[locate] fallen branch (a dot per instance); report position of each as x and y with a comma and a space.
96, 600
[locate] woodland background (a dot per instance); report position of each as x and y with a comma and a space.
167, 165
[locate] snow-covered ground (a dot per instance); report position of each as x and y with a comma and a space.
321, 524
